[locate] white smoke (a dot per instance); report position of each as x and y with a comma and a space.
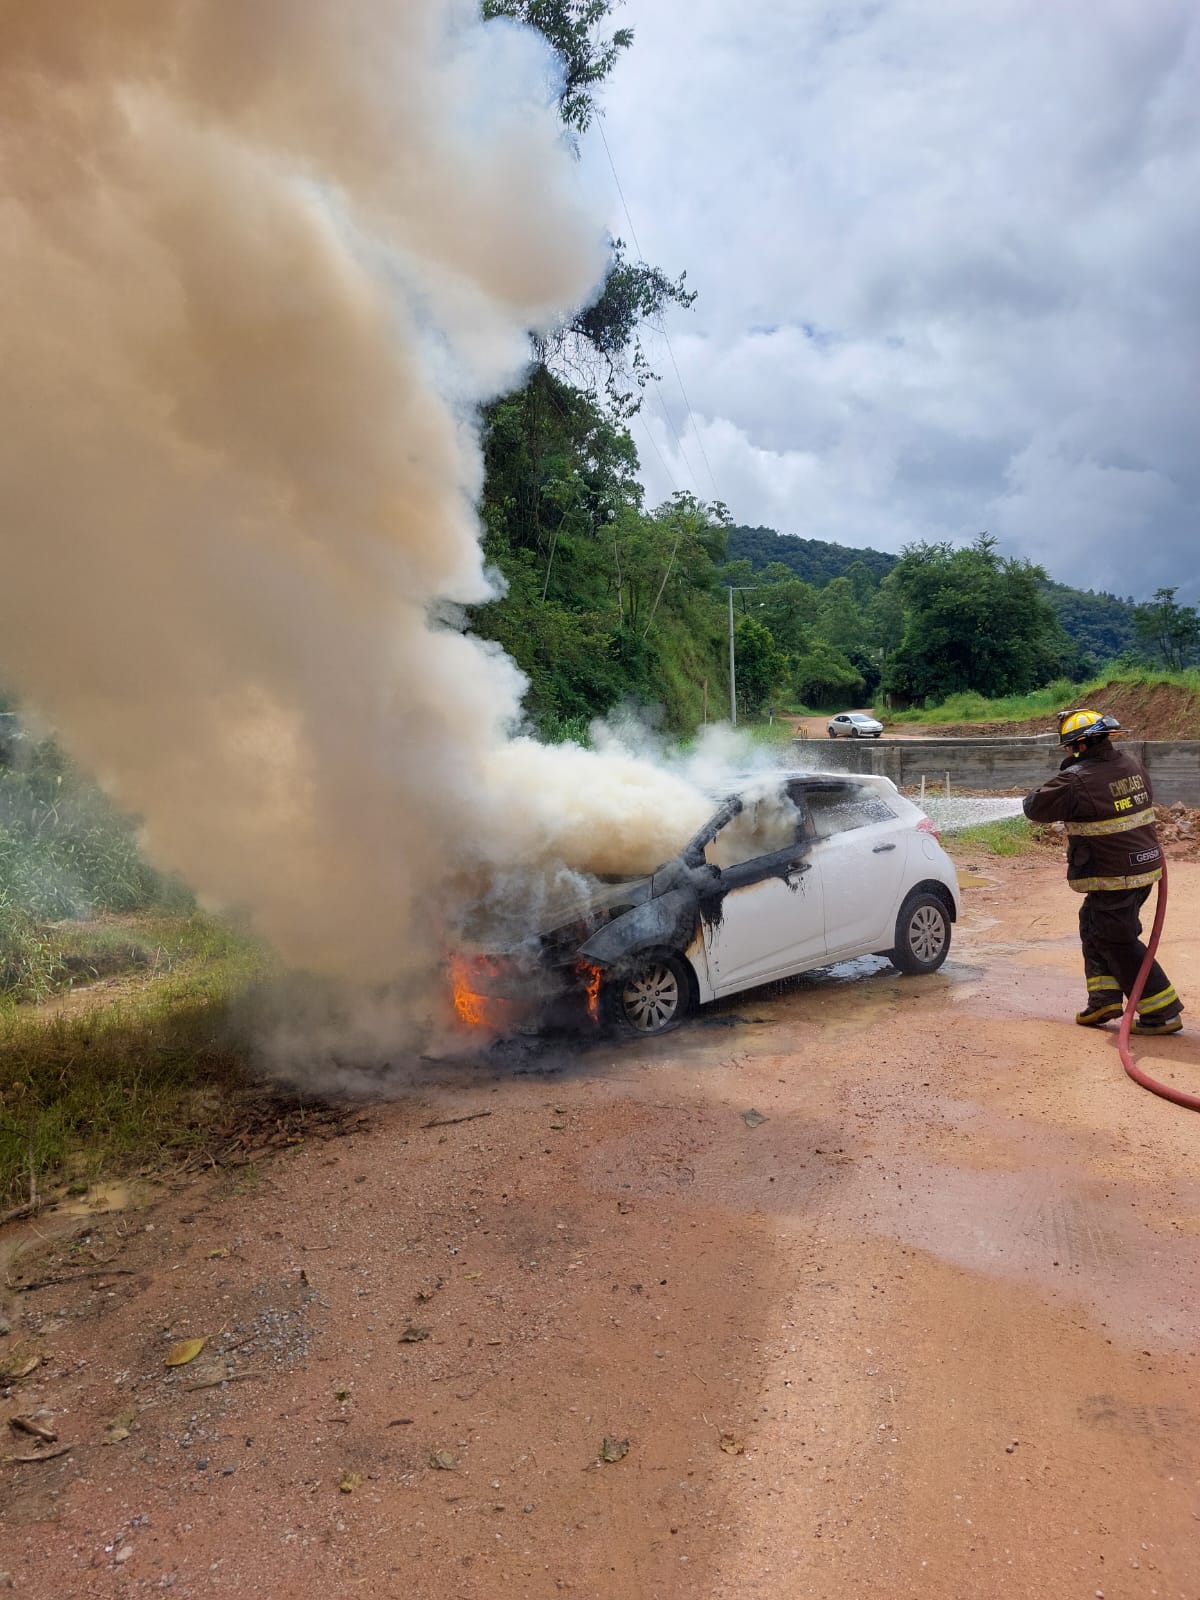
260, 263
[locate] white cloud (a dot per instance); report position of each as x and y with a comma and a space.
946, 261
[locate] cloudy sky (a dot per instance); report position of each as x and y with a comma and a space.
948, 256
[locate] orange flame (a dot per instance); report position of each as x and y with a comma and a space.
469, 1007
592, 977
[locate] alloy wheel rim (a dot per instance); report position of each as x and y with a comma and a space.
927, 933
651, 999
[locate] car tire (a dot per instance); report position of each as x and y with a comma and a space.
832, 732
649, 994
922, 934
877, 735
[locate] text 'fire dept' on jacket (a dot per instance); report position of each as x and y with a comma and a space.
1105, 801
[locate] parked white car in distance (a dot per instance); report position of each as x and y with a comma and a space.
854, 725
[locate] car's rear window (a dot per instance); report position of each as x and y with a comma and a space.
839, 810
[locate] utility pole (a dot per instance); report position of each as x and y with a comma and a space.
732, 668
743, 588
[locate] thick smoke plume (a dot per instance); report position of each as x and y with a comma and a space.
260, 261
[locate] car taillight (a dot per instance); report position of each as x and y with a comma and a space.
925, 826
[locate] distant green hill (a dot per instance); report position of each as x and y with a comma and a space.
814, 560
1099, 625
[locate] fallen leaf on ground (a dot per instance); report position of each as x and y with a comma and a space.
114, 1432
412, 1335
350, 1482
186, 1350
614, 1449
443, 1460
752, 1118
217, 1255
43, 1455
36, 1427
732, 1445
18, 1365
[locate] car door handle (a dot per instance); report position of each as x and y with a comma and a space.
879, 848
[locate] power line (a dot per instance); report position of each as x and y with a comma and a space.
671, 479
661, 330
695, 427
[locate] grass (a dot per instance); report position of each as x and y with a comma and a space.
972, 707
89, 1088
1041, 702
777, 732
1011, 836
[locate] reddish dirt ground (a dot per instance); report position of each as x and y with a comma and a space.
929, 1329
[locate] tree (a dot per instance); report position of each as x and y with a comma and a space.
821, 676
599, 348
587, 55
761, 665
973, 621
789, 607
1170, 630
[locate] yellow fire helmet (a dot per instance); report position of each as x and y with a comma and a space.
1080, 727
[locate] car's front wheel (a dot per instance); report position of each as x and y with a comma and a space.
922, 934
648, 994
832, 732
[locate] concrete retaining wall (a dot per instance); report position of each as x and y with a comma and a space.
1174, 766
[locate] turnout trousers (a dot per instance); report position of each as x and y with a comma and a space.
1110, 933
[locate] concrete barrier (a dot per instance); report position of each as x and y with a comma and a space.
1021, 764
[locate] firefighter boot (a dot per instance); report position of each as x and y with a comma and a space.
1153, 1024
1100, 1009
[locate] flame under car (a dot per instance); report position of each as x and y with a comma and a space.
792, 871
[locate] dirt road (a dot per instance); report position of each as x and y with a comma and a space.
928, 1330
818, 728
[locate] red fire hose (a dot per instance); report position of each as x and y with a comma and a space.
1179, 1096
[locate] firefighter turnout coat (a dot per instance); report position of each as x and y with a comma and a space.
1105, 800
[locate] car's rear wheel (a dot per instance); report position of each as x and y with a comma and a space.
922, 934
648, 994
832, 732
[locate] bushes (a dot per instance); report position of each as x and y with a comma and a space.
64, 853
29, 962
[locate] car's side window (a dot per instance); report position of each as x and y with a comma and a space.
843, 807
761, 828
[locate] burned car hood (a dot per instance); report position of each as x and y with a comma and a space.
601, 898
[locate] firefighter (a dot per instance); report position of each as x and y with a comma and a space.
1103, 795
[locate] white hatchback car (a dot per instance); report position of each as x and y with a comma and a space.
793, 870
854, 725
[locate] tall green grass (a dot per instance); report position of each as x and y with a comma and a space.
1041, 702
1010, 836
64, 853
89, 1088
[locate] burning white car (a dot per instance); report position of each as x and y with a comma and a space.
793, 871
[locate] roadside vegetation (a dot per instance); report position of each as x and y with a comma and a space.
1010, 836
115, 991
1152, 703
110, 1082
